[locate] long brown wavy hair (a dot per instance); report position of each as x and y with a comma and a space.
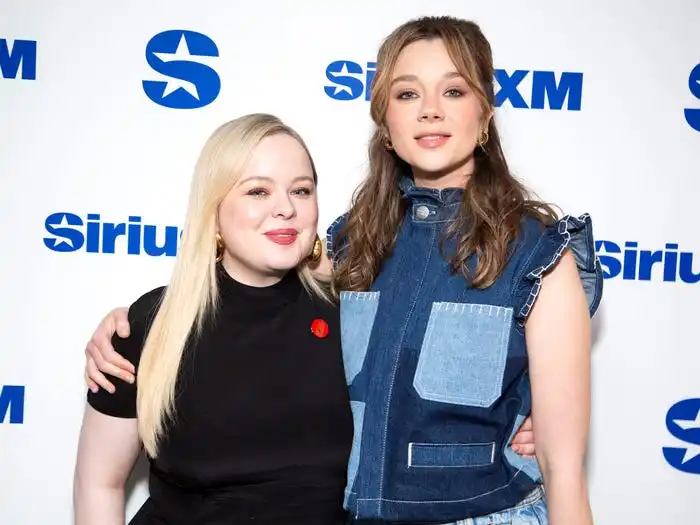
493, 203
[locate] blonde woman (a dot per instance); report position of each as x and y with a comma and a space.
240, 400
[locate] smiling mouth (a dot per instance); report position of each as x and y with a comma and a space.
433, 140
283, 237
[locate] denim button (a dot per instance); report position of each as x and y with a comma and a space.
422, 212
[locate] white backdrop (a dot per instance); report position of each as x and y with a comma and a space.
81, 136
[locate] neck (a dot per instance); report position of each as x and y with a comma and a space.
251, 277
450, 177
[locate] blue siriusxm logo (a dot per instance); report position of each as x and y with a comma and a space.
12, 404
350, 81
631, 263
18, 56
68, 232
683, 423
692, 115
546, 91
183, 57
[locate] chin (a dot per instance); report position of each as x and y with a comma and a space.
438, 165
429, 160
433, 167
284, 263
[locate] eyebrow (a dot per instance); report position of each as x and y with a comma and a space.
270, 179
414, 78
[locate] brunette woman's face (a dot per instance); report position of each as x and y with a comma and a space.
433, 118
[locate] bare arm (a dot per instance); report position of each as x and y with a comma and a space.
107, 451
558, 337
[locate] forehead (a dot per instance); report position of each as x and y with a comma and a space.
278, 156
423, 58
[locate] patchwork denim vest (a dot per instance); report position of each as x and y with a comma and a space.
437, 370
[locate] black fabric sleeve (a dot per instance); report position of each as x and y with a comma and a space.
123, 402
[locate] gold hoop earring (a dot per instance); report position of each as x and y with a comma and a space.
317, 250
483, 137
220, 247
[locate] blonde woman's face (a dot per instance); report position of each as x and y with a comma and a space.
268, 221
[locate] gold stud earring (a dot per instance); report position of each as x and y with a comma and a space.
219, 248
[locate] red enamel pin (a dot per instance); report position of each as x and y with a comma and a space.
319, 328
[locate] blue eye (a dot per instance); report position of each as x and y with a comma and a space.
257, 192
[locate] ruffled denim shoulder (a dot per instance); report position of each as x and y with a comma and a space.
335, 246
575, 233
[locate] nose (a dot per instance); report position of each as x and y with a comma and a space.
283, 206
431, 109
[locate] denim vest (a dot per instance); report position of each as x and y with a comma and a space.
438, 371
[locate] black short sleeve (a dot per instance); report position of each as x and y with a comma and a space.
123, 402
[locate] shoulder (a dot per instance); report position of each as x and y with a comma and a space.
144, 309
540, 247
122, 403
336, 241
547, 241
141, 314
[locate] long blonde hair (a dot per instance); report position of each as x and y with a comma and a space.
192, 294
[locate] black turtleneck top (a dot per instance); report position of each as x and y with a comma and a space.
263, 427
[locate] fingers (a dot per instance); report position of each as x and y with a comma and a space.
524, 437
525, 450
96, 377
121, 320
527, 424
101, 349
90, 383
109, 362
524, 440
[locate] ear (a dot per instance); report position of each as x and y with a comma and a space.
488, 116
384, 131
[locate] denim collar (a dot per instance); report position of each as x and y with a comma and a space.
430, 205
418, 194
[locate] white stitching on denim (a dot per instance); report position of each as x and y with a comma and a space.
359, 296
563, 230
432, 319
499, 310
348, 489
449, 444
409, 313
445, 501
492, 444
330, 233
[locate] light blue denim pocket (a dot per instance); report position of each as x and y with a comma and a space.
358, 417
357, 313
463, 355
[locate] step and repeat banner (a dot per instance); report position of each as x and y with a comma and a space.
104, 107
